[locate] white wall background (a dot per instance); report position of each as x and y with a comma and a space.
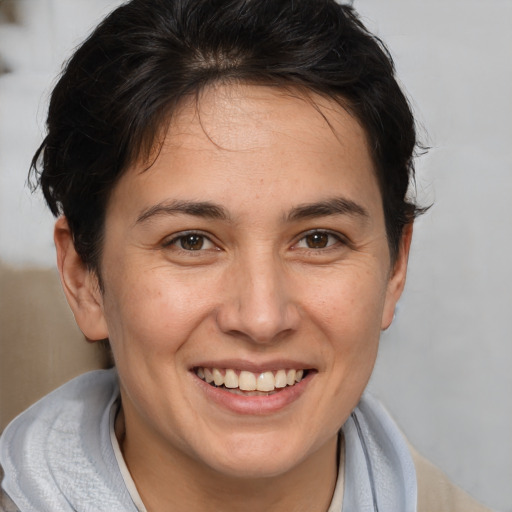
445, 365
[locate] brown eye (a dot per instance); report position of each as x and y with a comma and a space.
191, 242
317, 240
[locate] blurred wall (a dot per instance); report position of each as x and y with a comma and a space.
444, 367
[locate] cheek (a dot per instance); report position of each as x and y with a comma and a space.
350, 302
154, 314
349, 311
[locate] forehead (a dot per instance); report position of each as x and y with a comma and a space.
249, 118
241, 141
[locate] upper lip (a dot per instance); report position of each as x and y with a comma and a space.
254, 367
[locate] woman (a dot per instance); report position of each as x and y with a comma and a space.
230, 182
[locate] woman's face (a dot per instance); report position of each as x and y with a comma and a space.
253, 251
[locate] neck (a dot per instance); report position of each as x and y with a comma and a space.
172, 480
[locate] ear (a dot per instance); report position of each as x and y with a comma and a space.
396, 281
80, 285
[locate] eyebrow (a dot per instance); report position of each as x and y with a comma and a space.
203, 209
333, 206
206, 209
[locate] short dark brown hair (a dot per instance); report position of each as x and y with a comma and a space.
123, 83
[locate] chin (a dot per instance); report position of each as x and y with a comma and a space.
255, 468
257, 457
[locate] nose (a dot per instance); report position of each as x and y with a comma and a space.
259, 305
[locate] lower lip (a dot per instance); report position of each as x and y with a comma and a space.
255, 405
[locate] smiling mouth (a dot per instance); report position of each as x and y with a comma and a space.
242, 382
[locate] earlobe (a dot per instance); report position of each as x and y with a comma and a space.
396, 282
80, 285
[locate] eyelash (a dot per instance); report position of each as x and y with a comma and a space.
338, 240
182, 236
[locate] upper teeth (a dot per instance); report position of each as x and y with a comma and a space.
249, 381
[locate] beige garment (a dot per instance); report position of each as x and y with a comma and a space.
436, 493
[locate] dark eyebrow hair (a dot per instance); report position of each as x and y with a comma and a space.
197, 209
333, 206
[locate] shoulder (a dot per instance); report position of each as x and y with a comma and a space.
60, 440
433, 491
89, 391
437, 493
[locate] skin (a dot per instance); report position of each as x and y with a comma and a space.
261, 291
